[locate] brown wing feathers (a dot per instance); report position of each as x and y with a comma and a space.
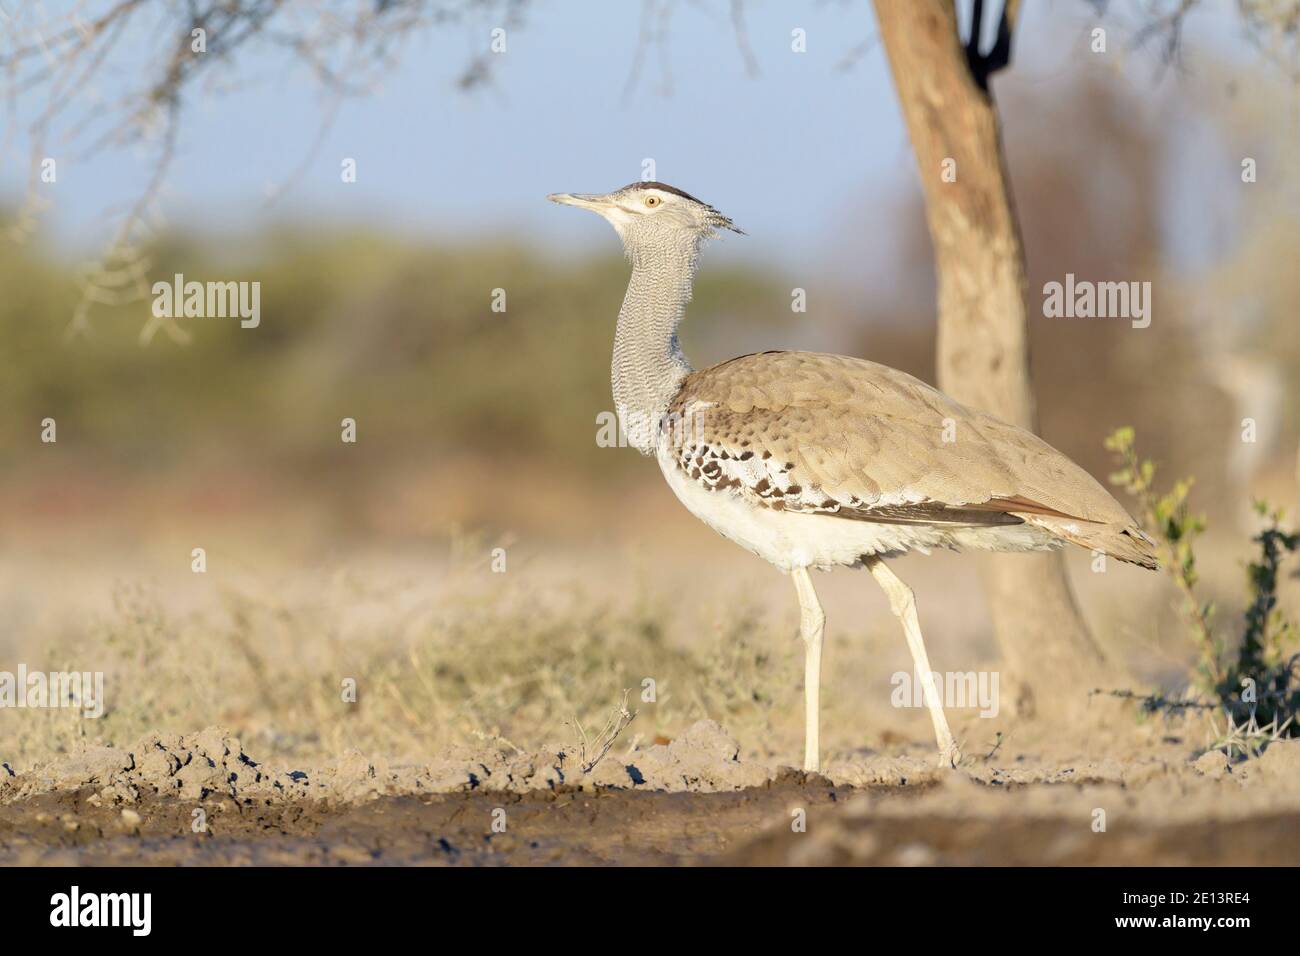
833, 435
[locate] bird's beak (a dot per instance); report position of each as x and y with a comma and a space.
590, 201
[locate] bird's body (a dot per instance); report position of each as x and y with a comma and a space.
813, 460
819, 461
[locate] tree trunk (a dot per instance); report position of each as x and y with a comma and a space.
983, 352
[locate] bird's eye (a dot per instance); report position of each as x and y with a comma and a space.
652, 201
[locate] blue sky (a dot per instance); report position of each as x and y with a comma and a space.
796, 155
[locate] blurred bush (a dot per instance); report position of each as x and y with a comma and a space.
400, 337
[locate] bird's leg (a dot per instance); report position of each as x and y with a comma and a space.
812, 624
903, 604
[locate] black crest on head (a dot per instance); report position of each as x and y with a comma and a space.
717, 219
666, 188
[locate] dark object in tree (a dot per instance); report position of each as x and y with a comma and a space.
983, 352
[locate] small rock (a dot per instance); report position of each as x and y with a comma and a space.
705, 740
120, 792
200, 777
445, 776
1279, 762
156, 764
611, 772
92, 765
355, 766
1212, 763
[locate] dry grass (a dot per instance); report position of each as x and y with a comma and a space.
444, 653
507, 661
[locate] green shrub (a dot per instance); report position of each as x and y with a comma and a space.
1256, 684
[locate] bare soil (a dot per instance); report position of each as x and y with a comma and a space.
614, 827
201, 800
475, 729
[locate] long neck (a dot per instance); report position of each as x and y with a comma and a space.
648, 366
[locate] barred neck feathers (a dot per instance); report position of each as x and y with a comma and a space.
648, 366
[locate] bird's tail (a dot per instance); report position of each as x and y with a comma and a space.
1123, 542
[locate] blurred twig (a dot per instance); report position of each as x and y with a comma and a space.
347, 46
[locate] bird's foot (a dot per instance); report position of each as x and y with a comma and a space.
949, 757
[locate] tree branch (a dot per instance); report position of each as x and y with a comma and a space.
55, 60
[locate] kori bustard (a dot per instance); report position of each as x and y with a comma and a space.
818, 461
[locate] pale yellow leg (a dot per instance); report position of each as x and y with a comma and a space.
812, 625
903, 604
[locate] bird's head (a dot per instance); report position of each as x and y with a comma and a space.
650, 215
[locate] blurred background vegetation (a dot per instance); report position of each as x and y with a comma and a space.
478, 428
399, 334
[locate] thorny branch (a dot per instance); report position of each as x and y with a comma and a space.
742, 37
1273, 26
656, 15
179, 51
617, 722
